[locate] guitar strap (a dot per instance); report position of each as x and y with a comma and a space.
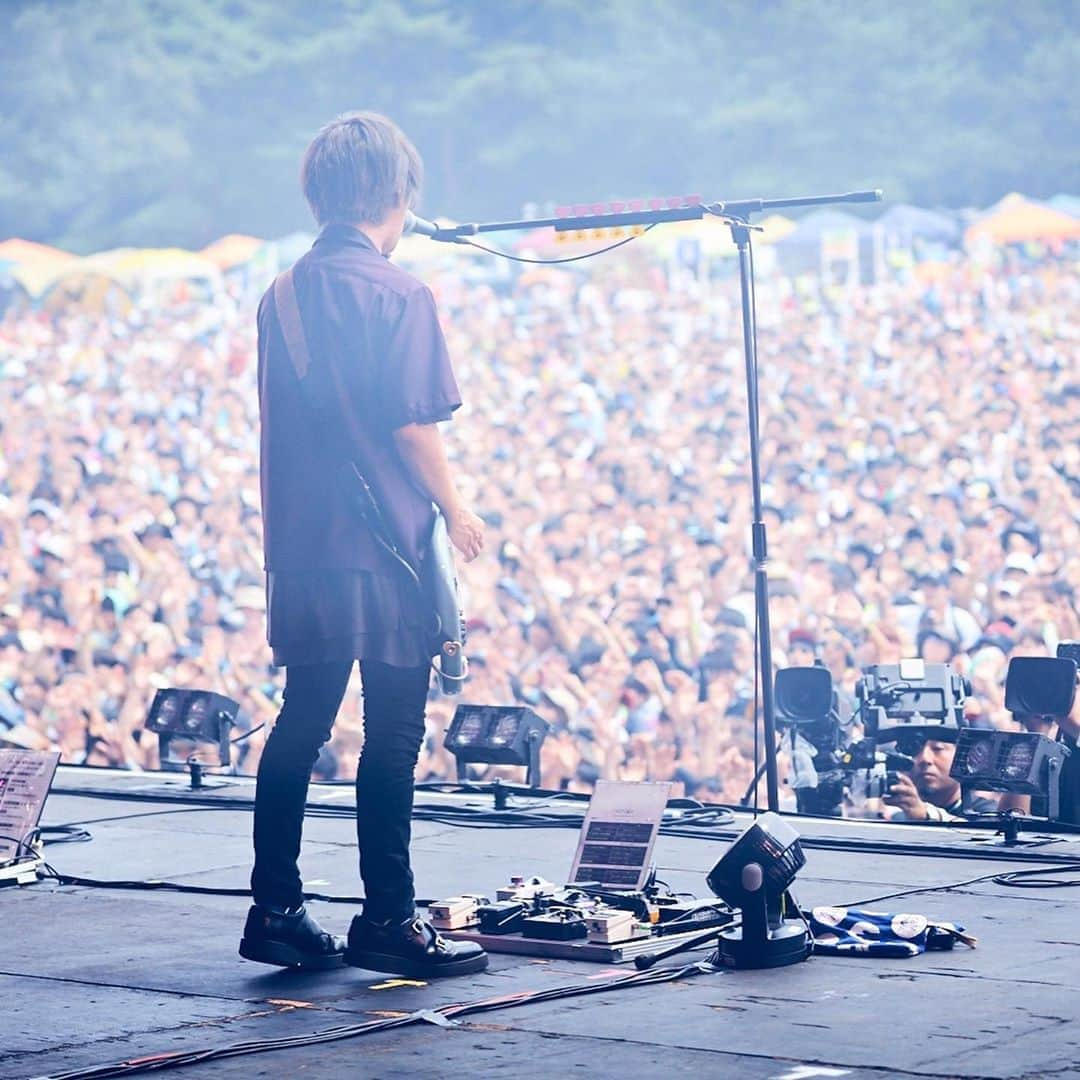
292, 330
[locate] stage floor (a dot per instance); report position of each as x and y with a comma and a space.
90, 976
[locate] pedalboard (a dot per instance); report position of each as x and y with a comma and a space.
535, 917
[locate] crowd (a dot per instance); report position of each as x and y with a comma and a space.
921, 481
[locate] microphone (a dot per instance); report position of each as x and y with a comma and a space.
422, 226
450, 234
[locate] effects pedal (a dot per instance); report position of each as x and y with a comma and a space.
521, 888
607, 926
456, 912
562, 925
501, 917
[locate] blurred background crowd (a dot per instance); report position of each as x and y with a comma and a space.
921, 471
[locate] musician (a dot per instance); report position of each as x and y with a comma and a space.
379, 379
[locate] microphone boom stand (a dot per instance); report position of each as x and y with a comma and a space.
737, 216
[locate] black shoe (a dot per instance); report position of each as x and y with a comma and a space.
413, 948
289, 939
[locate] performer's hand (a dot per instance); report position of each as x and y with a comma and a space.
466, 533
905, 795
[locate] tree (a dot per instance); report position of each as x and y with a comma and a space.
174, 121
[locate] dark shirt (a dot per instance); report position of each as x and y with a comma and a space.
378, 363
1069, 807
1068, 787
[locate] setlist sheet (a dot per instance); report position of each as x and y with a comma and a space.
617, 836
25, 779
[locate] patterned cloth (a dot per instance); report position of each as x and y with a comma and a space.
855, 932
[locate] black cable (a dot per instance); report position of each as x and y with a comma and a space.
20, 845
52, 874
1017, 879
145, 814
914, 892
247, 734
751, 789
449, 1013
557, 262
66, 834
1036, 879
530, 815
759, 765
1022, 877
710, 822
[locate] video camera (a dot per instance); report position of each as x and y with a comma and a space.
912, 694
901, 704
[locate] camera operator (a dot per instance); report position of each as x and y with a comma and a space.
927, 792
1070, 772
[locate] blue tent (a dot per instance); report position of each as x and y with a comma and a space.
813, 227
911, 222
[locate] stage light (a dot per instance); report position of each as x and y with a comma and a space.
496, 735
1018, 761
192, 719
754, 876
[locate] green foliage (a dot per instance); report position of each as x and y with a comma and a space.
174, 121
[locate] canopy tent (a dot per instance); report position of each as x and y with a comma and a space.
17, 250
1016, 220
775, 227
145, 265
818, 226
912, 222
711, 234
826, 242
89, 280
86, 281
31, 265
233, 250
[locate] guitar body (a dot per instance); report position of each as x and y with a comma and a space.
436, 586
440, 588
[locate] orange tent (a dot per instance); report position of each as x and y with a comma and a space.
33, 265
27, 251
1016, 220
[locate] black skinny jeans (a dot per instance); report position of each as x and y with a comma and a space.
394, 702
